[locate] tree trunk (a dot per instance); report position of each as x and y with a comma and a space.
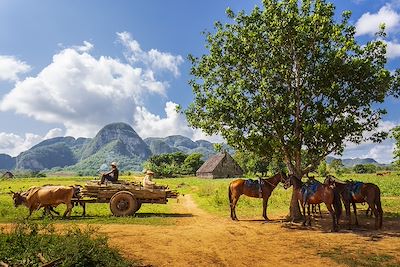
294, 211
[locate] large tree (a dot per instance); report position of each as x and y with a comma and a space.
396, 136
289, 79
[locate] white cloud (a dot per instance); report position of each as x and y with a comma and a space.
13, 144
369, 23
56, 132
392, 49
10, 68
154, 59
150, 125
85, 93
381, 152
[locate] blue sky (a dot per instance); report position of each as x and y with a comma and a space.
69, 67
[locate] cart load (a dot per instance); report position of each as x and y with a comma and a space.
125, 198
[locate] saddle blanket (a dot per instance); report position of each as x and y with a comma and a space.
308, 190
355, 187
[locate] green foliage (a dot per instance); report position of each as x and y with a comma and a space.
396, 136
217, 147
172, 164
252, 163
78, 247
302, 79
337, 166
192, 163
323, 169
365, 168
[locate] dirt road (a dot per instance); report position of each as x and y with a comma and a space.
206, 240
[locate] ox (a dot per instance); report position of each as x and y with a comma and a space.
46, 196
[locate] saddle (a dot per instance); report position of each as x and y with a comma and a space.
252, 183
354, 187
307, 190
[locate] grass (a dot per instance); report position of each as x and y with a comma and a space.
28, 243
357, 258
210, 195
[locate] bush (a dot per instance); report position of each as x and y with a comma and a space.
78, 247
365, 168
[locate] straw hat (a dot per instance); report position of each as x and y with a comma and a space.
149, 172
114, 164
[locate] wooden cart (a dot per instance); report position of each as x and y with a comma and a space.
125, 198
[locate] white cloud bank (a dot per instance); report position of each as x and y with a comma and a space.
381, 152
13, 144
85, 93
150, 125
11, 67
369, 23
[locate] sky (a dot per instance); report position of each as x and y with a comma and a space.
69, 67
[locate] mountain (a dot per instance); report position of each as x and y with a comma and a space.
46, 157
6, 162
51, 153
128, 139
114, 142
355, 161
176, 143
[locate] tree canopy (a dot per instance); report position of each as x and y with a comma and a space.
288, 79
396, 136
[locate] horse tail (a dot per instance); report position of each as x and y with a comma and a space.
230, 194
379, 206
378, 201
337, 203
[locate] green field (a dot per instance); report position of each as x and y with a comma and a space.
210, 195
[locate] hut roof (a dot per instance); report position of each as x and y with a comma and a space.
7, 174
211, 163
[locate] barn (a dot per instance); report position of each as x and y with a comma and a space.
7, 175
221, 165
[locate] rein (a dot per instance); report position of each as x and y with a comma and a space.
271, 184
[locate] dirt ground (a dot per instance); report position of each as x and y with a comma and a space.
201, 239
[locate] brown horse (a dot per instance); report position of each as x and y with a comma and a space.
322, 194
241, 187
368, 192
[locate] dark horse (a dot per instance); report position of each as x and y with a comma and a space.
323, 193
239, 187
367, 192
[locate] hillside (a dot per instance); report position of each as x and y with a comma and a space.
6, 162
355, 161
176, 143
114, 142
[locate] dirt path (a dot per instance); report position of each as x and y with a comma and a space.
207, 240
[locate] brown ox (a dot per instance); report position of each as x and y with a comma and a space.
46, 196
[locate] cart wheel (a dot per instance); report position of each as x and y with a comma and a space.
123, 203
139, 204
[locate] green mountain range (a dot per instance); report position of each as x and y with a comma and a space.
114, 142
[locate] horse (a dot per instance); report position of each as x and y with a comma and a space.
315, 208
240, 187
368, 192
323, 193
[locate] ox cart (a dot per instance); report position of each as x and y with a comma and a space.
125, 198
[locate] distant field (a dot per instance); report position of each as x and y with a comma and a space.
210, 195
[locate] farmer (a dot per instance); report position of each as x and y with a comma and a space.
112, 175
148, 180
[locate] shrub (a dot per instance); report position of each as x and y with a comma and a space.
78, 247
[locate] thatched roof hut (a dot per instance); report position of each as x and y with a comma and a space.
7, 175
221, 165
